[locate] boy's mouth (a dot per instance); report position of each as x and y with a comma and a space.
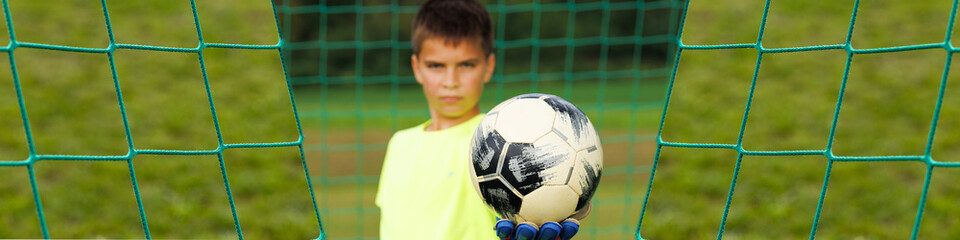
450, 99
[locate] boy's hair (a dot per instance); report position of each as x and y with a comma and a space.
452, 20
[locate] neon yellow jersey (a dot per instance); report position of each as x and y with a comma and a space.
425, 190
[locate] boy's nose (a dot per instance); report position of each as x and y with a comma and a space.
452, 80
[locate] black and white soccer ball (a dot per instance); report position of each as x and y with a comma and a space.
536, 158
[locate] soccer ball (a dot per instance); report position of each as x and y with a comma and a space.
536, 158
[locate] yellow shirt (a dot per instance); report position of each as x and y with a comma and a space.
425, 190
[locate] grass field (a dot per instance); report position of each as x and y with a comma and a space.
888, 105
887, 110
71, 102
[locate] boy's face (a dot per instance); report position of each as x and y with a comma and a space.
452, 76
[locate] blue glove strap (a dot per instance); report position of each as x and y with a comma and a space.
504, 228
526, 232
569, 229
549, 231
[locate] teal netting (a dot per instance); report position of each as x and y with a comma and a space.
350, 66
829, 151
28, 164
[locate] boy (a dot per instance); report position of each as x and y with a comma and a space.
425, 191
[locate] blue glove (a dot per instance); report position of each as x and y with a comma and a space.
527, 231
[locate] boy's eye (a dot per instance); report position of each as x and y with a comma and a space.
467, 65
434, 65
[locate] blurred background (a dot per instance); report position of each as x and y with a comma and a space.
347, 63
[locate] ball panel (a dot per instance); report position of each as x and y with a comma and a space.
516, 169
554, 151
518, 218
476, 184
531, 95
572, 123
500, 106
525, 120
486, 147
586, 174
585, 198
498, 195
549, 204
528, 166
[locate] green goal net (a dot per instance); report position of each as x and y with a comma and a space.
349, 61
806, 119
174, 119
159, 119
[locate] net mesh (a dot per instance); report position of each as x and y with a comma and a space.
925, 146
225, 140
349, 61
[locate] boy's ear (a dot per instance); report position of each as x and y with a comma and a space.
414, 62
491, 66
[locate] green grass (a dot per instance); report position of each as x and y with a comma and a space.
887, 110
72, 106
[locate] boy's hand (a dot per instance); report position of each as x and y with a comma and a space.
507, 230
528, 231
